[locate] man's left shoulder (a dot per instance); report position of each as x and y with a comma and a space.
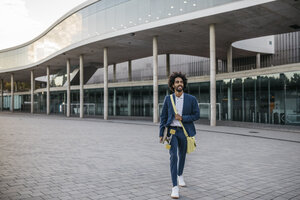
191, 97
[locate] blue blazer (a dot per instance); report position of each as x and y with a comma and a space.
190, 113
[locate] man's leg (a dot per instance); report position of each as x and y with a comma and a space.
174, 159
182, 145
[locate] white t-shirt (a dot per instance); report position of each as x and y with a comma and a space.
179, 107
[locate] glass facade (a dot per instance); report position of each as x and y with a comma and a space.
131, 101
40, 102
57, 102
142, 68
93, 102
21, 103
270, 99
102, 17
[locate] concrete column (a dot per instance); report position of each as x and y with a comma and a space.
12, 93
212, 43
129, 103
269, 101
229, 59
255, 102
16, 86
81, 81
229, 103
258, 61
68, 89
48, 90
129, 71
284, 103
105, 66
115, 103
32, 91
168, 65
243, 100
155, 80
2, 87
115, 72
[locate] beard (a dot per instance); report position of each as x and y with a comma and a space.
179, 88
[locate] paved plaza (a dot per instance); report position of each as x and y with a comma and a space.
51, 157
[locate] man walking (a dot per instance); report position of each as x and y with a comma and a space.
188, 112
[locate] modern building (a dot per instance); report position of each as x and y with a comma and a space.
113, 58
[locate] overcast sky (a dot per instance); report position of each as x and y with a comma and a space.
23, 20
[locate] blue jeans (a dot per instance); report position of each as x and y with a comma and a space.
178, 142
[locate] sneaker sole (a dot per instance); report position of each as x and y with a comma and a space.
174, 197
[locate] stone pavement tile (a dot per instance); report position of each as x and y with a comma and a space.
232, 196
111, 198
268, 196
246, 198
10, 191
34, 198
95, 197
108, 194
53, 198
48, 191
21, 197
240, 194
5, 198
279, 198
25, 192
78, 196
127, 196
36, 193
65, 198
66, 189
83, 198
73, 159
288, 196
3, 186
140, 198
296, 197
207, 198
227, 193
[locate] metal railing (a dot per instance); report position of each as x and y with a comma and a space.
90, 108
209, 111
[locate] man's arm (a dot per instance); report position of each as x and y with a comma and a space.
163, 118
195, 112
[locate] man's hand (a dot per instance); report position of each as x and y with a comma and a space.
178, 117
161, 139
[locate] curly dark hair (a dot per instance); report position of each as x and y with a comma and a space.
172, 78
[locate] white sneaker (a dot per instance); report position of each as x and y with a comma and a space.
175, 193
181, 181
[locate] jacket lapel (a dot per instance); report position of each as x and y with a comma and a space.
174, 98
185, 103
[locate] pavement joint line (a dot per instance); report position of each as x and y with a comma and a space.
151, 124
256, 136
